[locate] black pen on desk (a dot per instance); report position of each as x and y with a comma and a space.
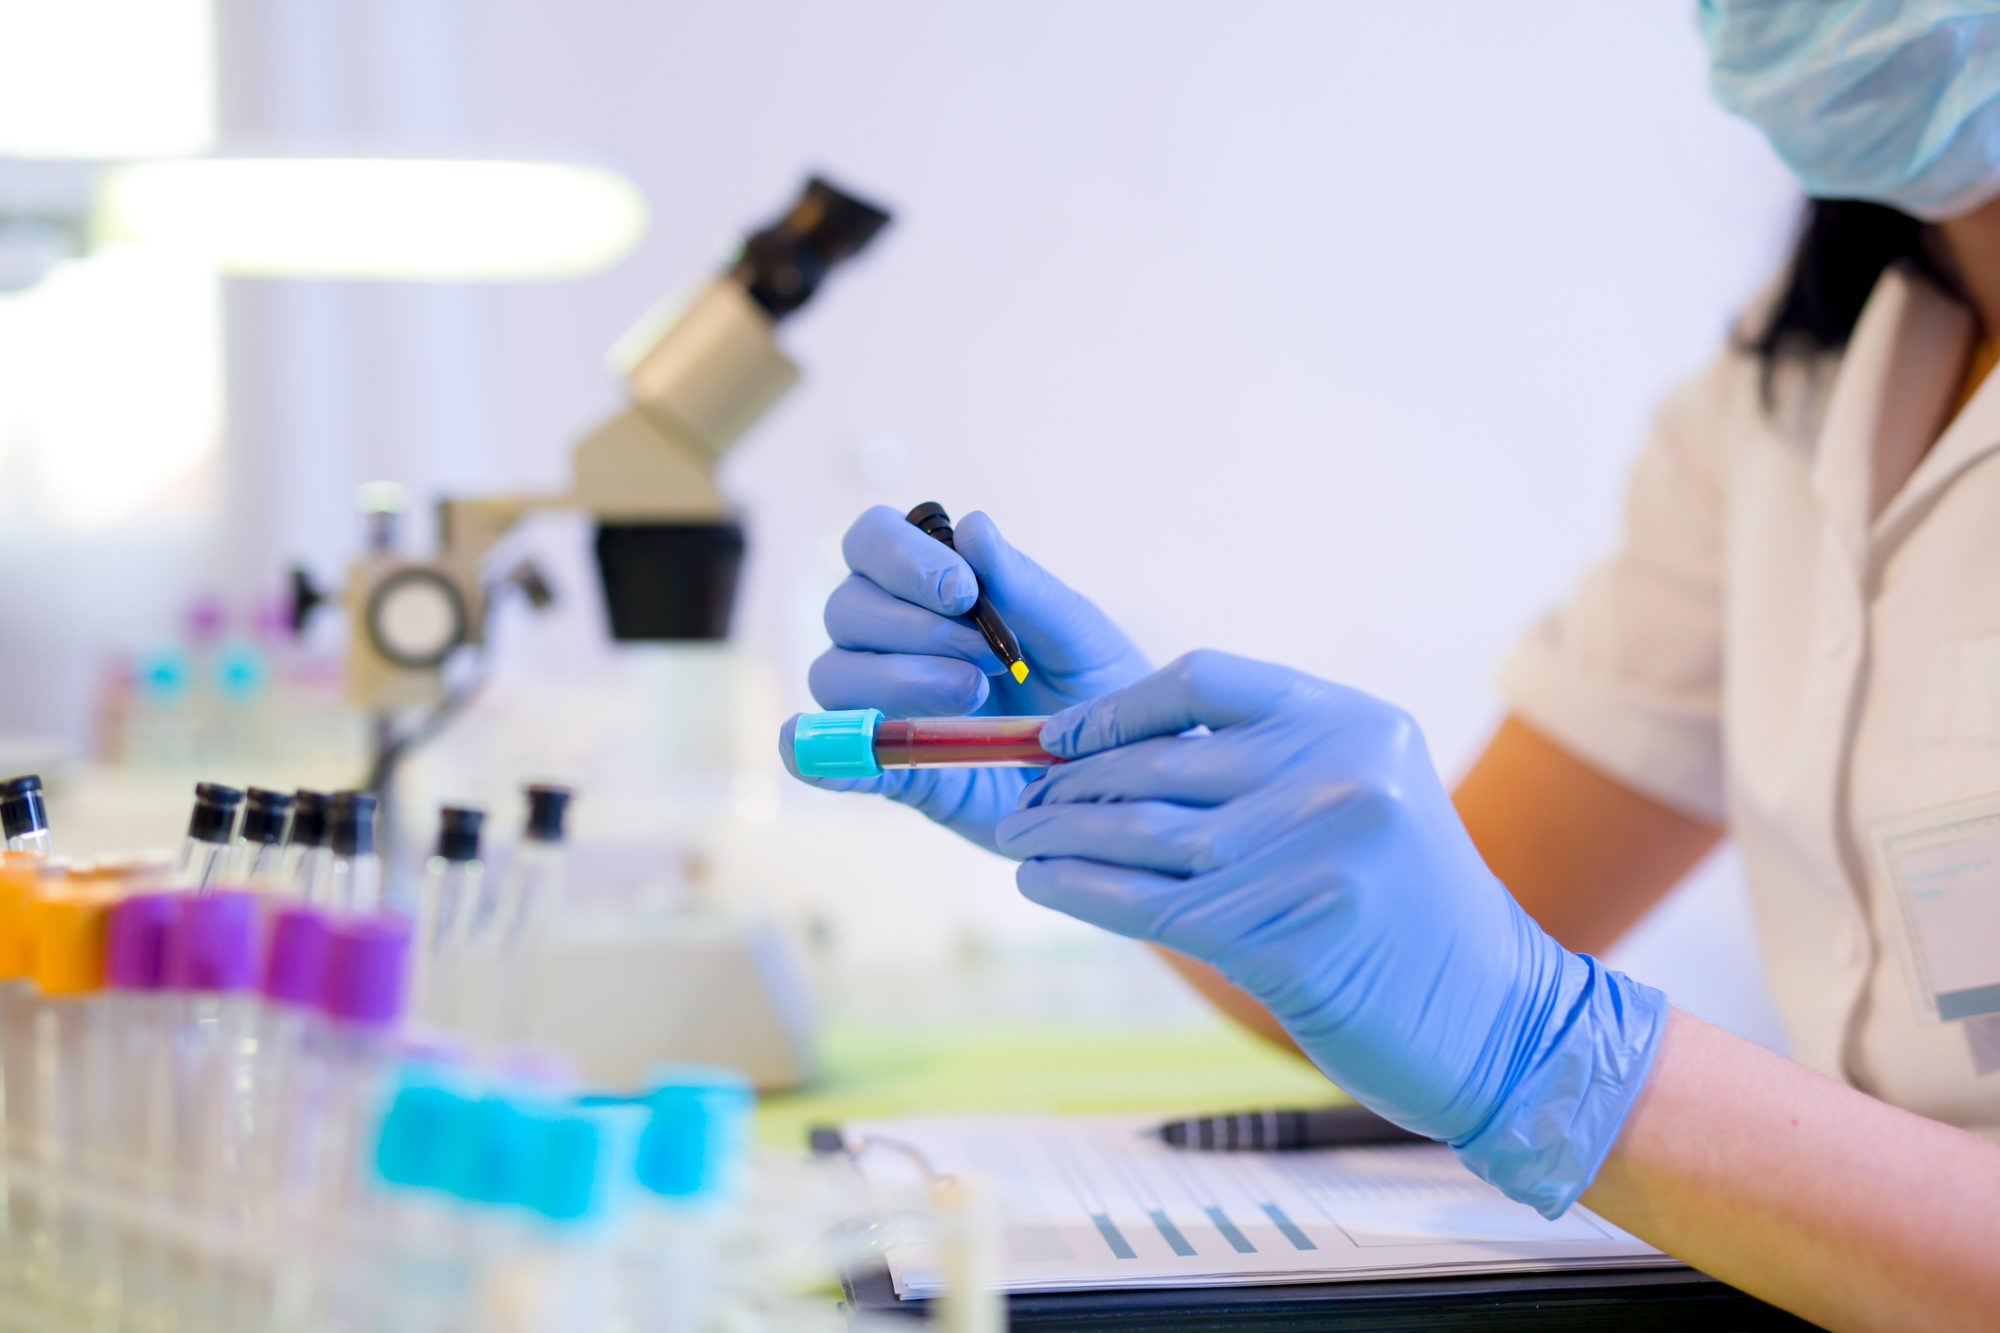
1286, 1130
929, 517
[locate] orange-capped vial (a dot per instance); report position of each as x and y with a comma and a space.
69, 932
18, 881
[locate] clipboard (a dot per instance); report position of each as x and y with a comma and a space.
1660, 1298
1653, 1300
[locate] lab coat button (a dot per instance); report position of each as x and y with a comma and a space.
1833, 630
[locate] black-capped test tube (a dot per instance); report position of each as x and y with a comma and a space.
260, 840
211, 830
305, 845
354, 871
24, 816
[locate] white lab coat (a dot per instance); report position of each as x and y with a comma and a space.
1799, 636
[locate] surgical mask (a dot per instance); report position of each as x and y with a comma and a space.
1893, 101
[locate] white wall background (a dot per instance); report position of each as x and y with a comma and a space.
1321, 332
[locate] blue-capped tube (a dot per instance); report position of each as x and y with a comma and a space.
861, 742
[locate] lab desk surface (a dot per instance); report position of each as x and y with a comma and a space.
874, 1071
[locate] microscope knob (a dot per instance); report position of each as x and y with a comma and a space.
305, 599
416, 616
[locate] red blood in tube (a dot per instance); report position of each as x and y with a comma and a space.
961, 742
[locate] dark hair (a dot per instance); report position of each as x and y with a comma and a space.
1843, 248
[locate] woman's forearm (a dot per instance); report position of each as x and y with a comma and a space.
1808, 1194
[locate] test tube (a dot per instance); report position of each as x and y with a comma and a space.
286, 1094
860, 743
307, 854
367, 987
260, 842
691, 1162
532, 891
136, 955
294, 983
205, 852
18, 880
73, 1100
530, 897
24, 816
213, 966
142, 1032
451, 886
354, 874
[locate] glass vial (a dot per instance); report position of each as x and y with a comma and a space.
205, 852
24, 816
260, 842
306, 853
354, 874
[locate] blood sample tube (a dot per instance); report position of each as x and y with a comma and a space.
860, 743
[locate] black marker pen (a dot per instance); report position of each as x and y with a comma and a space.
931, 518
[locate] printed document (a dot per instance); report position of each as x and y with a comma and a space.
1096, 1202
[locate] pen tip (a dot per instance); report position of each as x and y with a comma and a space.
1019, 671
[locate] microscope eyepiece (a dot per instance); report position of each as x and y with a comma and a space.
783, 265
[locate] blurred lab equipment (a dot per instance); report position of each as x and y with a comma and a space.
213, 1115
615, 985
668, 547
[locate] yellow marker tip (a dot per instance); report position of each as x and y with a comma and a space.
1019, 671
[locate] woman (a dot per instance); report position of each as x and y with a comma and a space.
1797, 642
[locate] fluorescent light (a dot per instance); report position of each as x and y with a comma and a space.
394, 218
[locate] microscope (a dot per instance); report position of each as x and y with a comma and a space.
668, 548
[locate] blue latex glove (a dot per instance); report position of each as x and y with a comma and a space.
1305, 847
900, 645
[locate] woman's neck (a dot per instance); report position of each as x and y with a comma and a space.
1972, 243
1972, 240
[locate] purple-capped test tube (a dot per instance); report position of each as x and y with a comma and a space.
137, 950
138, 956
212, 966
287, 1085
362, 1004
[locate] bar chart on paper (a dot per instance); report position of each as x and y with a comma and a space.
1096, 1203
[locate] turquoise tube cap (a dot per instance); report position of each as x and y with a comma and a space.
836, 745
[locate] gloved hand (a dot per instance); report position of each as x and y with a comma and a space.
1305, 846
899, 645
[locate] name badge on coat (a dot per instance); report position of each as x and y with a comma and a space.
1943, 866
